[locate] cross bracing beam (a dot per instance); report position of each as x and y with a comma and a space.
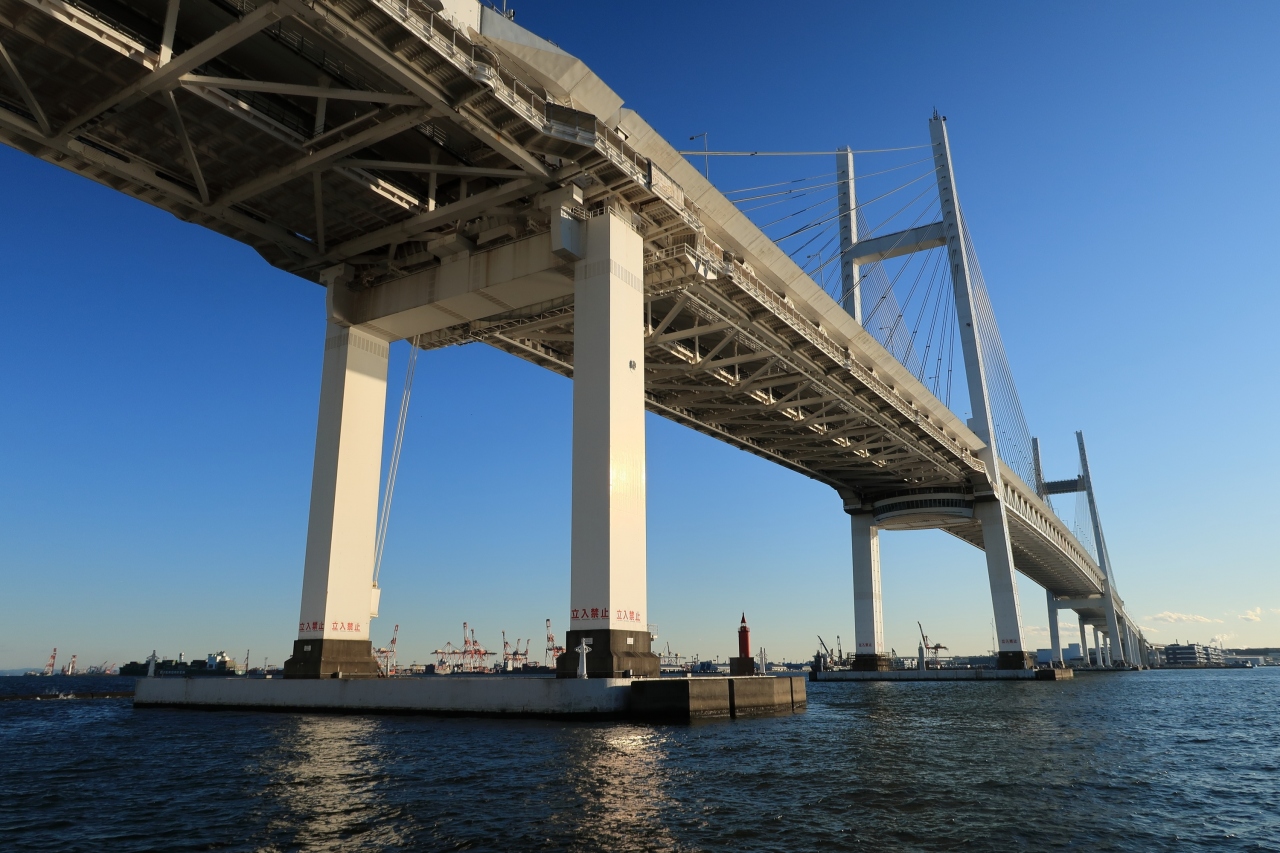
137, 171
393, 125
326, 92
96, 29
1064, 487
713, 302
298, 142
423, 222
699, 394
433, 168
759, 430
676, 414
360, 38
899, 243
1080, 603
705, 361
692, 331
168, 74
21, 85
192, 162
863, 376
709, 363
830, 437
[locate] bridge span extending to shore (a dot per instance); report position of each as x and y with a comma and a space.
450, 177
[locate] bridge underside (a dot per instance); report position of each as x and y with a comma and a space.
438, 179
720, 359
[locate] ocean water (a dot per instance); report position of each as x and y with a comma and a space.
1147, 761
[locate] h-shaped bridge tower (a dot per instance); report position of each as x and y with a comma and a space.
449, 177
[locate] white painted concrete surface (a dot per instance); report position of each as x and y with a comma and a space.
443, 694
608, 586
868, 610
930, 675
337, 583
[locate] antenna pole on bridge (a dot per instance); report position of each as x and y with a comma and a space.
989, 507
847, 204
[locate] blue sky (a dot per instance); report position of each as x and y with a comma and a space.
1115, 163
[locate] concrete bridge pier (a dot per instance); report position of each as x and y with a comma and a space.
337, 582
1084, 641
1012, 653
608, 596
1055, 639
1115, 649
868, 611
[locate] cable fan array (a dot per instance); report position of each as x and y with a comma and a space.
908, 303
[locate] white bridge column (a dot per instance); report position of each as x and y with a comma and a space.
868, 611
1055, 639
608, 597
1084, 641
1012, 652
337, 583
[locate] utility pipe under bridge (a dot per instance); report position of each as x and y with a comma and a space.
449, 177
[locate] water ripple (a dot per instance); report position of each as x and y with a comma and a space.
1161, 761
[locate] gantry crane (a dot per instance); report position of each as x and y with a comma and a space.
932, 650
553, 651
386, 657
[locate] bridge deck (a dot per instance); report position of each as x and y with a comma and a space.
416, 150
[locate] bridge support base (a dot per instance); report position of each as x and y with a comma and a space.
1015, 660
871, 663
332, 659
614, 654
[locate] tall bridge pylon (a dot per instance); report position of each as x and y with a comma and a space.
985, 501
1124, 642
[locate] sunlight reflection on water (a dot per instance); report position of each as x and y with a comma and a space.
1133, 762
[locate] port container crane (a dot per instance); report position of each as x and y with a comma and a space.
48, 667
553, 651
934, 649
386, 657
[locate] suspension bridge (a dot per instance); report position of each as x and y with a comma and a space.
449, 177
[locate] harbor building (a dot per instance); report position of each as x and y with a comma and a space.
1193, 654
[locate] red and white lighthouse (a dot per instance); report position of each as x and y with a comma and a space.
743, 664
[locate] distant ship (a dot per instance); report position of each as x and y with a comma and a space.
214, 664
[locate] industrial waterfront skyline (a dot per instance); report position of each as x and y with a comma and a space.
166, 380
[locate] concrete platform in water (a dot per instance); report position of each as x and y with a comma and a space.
580, 698
945, 675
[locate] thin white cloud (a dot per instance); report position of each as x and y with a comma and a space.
1175, 618
1220, 639
1034, 629
1254, 615
1146, 629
